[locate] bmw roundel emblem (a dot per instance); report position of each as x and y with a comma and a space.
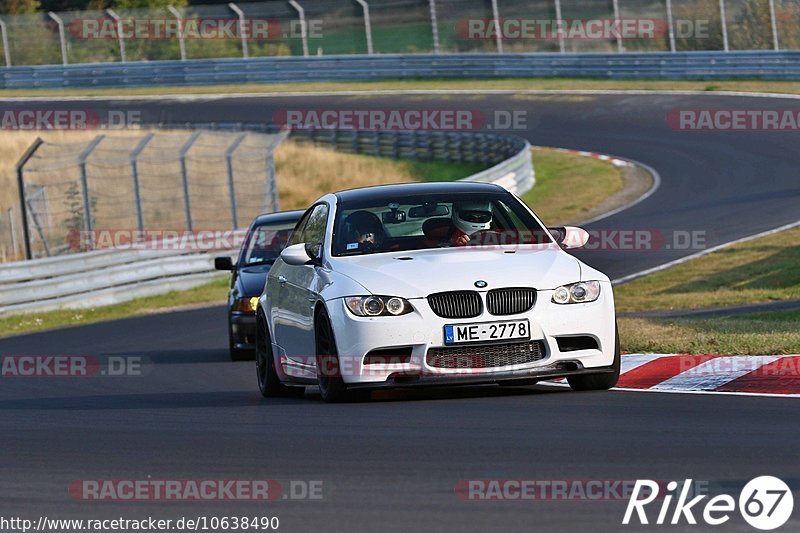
480, 284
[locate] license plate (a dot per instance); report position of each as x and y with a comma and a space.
486, 332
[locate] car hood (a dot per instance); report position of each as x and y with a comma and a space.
420, 273
251, 279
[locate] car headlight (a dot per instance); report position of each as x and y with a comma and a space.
577, 293
378, 305
245, 305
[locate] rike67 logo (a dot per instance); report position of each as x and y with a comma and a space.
765, 503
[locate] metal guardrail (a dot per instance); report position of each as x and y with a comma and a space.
772, 65
110, 276
65, 265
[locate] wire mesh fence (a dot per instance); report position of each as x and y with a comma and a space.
121, 188
326, 27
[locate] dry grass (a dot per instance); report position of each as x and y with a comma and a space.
306, 172
13, 145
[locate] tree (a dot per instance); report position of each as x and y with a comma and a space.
19, 7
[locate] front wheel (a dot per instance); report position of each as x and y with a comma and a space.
603, 381
269, 384
329, 375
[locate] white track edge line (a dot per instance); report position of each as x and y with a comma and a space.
726, 393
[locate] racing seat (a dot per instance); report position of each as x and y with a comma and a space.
437, 230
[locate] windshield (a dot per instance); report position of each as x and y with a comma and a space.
404, 223
264, 243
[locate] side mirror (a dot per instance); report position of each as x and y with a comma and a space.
314, 251
569, 237
223, 263
296, 255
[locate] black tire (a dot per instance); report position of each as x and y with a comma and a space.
603, 381
331, 385
269, 384
236, 353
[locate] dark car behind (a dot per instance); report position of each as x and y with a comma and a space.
266, 237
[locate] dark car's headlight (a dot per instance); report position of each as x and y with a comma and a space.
245, 305
378, 305
577, 293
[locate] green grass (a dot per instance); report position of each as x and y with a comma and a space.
759, 271
439, 171
753, 334
762, 270
569, 186
515, 84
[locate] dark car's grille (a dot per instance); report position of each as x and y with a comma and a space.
487, 356
457, 304
510, 301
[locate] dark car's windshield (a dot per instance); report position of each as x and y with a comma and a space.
265, 242
403, 223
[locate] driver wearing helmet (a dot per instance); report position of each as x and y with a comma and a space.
469, 218
364, 229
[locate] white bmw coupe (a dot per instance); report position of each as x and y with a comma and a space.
431, 284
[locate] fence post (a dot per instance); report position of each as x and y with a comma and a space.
120, 37
303, 28
434, 26
87, 202
670, 27
185, 178
498, 36
13, 227
38, 226
242, 31
724, 18
620, 47
774, 22
61, 36
137, 196
181, 36
231, 186
6, 51
367, 24
271, 190
560, 28
20, 168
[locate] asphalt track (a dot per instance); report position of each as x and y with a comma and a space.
393, 464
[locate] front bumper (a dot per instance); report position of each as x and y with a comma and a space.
243, 331
422, 330
526, 376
